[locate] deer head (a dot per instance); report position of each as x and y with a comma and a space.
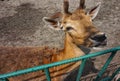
78, 25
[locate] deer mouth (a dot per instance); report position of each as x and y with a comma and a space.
99, 43
104, 43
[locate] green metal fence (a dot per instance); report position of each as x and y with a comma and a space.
4, 77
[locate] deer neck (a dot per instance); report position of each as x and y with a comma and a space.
71, 49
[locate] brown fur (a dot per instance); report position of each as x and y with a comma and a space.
17, 58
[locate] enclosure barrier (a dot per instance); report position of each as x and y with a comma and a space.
4, 77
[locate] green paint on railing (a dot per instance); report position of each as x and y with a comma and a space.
47, 74
105, 66
115, 73
81, 69
47, 66
110, 78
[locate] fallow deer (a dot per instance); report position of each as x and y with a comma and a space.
79, 31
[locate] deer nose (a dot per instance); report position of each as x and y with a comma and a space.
99, 37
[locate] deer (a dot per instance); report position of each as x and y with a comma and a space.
79, 31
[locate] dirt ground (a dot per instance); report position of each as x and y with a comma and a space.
21, 24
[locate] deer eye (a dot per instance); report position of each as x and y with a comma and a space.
69, 28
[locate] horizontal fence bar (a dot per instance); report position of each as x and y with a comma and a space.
37, 68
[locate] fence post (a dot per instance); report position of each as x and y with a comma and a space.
47, 73
105, 66
81, 69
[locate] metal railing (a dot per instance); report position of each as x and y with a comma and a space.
109, 71
4, 77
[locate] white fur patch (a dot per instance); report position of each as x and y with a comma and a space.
97, 48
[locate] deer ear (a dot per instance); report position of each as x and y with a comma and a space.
93, 12
54, 24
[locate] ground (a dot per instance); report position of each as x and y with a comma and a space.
21, 23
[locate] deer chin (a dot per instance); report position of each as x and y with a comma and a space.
98, 45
